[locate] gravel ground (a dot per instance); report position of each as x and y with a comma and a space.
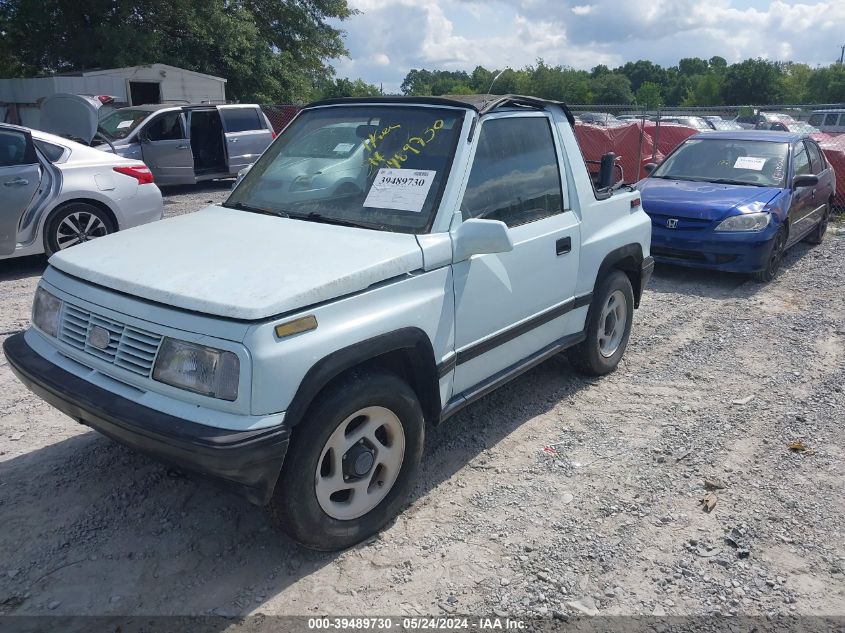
554, 495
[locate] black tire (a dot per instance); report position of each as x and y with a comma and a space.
587, 357
58, 229
776, 250
817, 234
295, 507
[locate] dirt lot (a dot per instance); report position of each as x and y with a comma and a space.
555, 494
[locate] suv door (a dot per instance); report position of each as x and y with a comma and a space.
247, 135
20, 176
166, 149
511, 305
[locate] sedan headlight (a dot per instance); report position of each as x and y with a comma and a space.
204, 370
45, 312
745, 222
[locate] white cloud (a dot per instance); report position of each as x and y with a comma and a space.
389, 37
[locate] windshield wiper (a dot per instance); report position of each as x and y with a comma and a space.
240, 206
728, 181
324, 219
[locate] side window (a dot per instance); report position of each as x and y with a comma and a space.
166, 127
241, 119
816, 119
800, 159
515, 176
51, 151
15, 150
830, 119
816, 161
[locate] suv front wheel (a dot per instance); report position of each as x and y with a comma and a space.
608, 327
351, 463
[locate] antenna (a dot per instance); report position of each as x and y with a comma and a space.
490, 89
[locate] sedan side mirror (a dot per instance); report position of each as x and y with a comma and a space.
805, 180
649, 167
479, 237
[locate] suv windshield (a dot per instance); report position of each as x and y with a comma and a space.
381, 167
121, 122
760, 163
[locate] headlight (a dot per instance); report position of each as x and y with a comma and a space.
204, 370
745, 222
45, 312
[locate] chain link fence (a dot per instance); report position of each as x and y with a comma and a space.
639, 135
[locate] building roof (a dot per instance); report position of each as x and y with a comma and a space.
111, 71
482, 103
771, 136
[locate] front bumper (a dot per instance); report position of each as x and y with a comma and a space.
729, 252
249, 462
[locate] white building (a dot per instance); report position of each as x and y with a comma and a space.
134, 85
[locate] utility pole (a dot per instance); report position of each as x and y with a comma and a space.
842, 55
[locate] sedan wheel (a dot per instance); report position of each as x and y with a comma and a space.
775, 258
74, 224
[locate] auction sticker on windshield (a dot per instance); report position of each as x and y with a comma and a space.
400, 189
750, 162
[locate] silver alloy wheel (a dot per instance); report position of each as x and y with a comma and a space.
360, 463
79, 227
614, 317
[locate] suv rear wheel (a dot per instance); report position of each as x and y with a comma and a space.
608, 327
351, 463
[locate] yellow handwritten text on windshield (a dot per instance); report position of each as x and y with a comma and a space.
414, 145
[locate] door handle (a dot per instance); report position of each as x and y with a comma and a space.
813, 195
563, 245
16, 182
181, 147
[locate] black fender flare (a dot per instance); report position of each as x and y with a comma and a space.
410, 341
629, 259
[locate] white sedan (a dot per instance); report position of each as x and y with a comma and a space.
55, 193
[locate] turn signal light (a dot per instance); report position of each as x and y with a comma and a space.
303, 324
141, 173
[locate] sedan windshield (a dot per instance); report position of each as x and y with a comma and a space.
380, 167
121, 122
726, 161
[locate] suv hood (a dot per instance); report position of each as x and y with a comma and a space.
700, 200
241, 265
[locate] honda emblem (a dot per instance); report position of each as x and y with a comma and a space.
672, 223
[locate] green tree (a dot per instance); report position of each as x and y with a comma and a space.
755, 81
612, 88
795, 81
692, 66
649, 95
268, 50
827, 85
706, 90
642, 71
345, 88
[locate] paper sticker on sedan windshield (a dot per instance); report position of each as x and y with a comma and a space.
342, 148
401, 189
750, 162
124, 124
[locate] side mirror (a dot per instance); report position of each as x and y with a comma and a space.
143, 135
649, 167
608, 162
479, 237
805, 180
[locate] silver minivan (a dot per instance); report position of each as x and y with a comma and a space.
831, 121
181, 144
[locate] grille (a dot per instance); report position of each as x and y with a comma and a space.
684, 224
129, 348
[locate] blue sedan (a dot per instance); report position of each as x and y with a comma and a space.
736, 200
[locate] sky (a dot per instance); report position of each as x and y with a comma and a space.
387, 38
